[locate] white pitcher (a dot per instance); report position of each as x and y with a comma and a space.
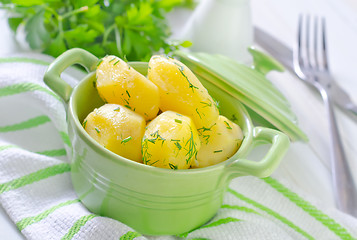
221, 27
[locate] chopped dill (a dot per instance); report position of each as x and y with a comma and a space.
206, 138
204, 129
116, 62
178, 145
112, 59
179, 65
124, 100
96, 129
99, 62
206, 104
217, 151
157, 136
153, 162
178, 120
198, 113
127, 93
84, 124
172, 166
144, 150
127, 106
228, 126
117, 109
192, 150
126, 140
190, 85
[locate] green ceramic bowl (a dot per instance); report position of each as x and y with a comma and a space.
153, 200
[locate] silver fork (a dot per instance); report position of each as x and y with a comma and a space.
311, 65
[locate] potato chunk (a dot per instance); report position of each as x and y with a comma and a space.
181, 91
119, 83
170, 141
219, 142
118, 129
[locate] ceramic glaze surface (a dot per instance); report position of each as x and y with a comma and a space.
156, 201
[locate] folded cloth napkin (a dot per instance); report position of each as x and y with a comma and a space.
37, 194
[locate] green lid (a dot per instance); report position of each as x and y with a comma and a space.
265, 103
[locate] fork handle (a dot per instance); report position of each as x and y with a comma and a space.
345, 191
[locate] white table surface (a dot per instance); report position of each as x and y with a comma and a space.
306, 166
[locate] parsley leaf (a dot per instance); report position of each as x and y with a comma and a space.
36, 33
131, 29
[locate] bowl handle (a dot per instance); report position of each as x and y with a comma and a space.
53, 78
263, 168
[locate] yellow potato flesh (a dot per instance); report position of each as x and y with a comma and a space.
219, 142
181, 91
170, 141
118, 129
119, 83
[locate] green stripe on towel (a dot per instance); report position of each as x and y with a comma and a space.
130, 235
31, 220
33, 122
240, 208
212, 224
65, 138
49, 153
23, 60
271, 212
310, 209
25, 87
4, 147
77, 226
53, 153
220, 222
34, 177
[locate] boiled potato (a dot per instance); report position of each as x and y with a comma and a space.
119, 83
118, 129
219, 142
170, 141
181, 91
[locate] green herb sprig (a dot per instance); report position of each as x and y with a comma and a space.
130, 29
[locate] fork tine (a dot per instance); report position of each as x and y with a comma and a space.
299, 42
301, 52
324, 46
307, 41
316, 54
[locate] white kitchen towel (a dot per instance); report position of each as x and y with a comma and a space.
37, 194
